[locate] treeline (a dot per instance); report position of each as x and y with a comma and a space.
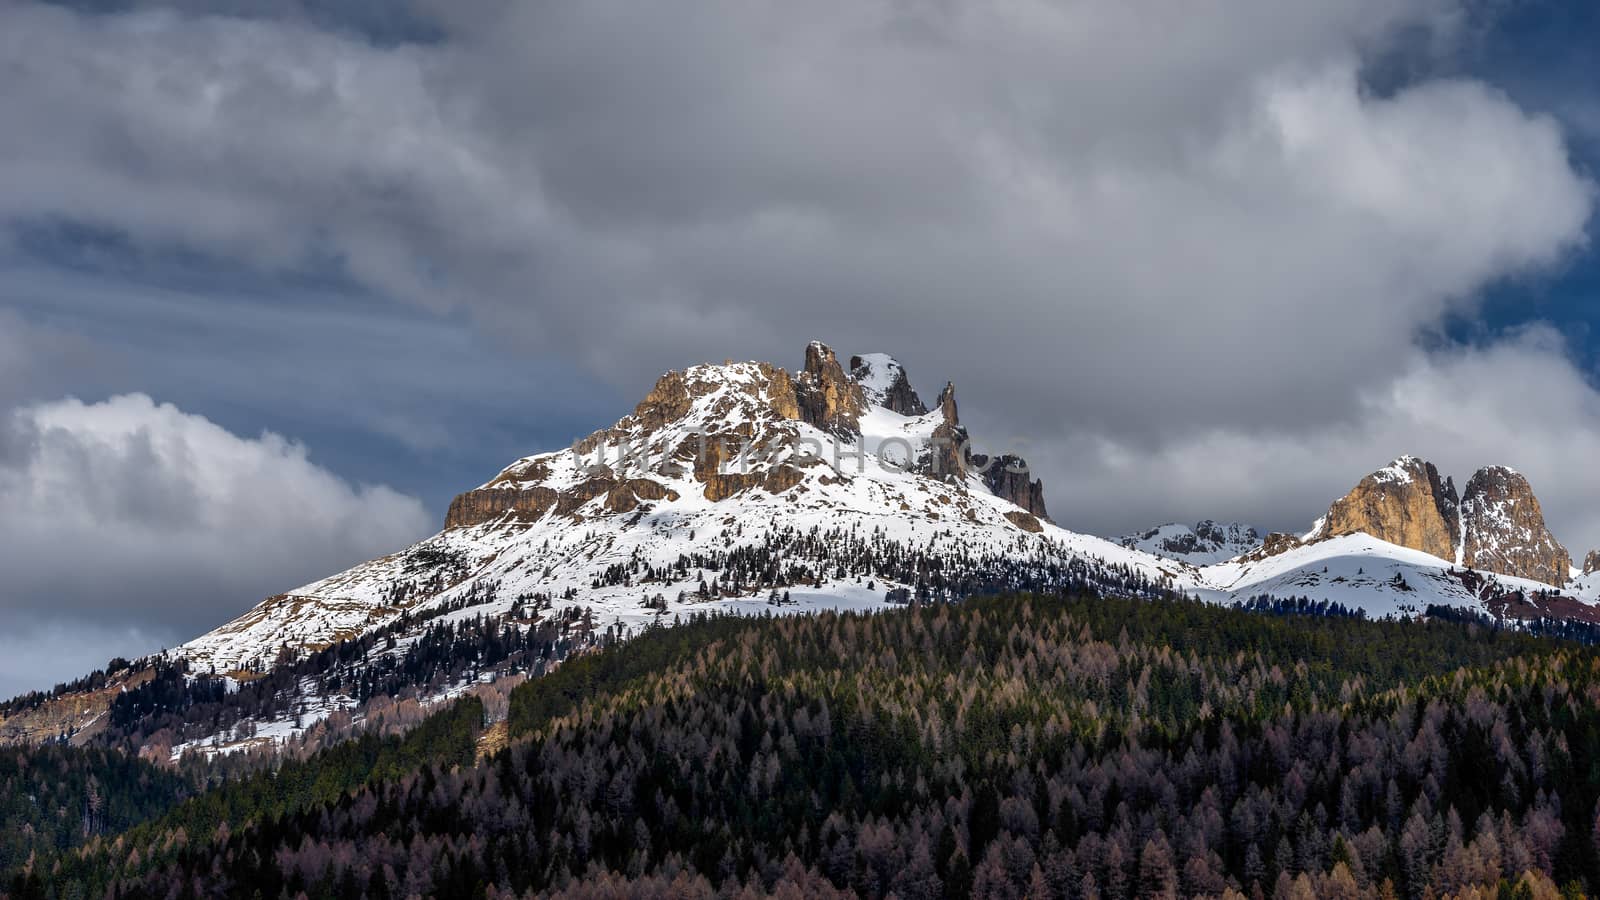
1560, 629
1298, 606
178, 704
1006, 747
94, 681
55, 797
944, 568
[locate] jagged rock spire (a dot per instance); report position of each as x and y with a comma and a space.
828, 397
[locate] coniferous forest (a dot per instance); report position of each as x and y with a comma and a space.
1016, 746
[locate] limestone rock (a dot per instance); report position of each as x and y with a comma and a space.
947, 454
1404, 503
1591, 563
827, 397
1007, 477
1504, 530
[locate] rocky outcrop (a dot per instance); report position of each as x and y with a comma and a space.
490, 504
827, 397
1591, 563
1404, 503
1026, 521
947, 454
1007, 478
1503, 529
1495, 525
694, 422
1273, 544
1207, 541
531, 503
886, 384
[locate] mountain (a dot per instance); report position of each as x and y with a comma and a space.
744, 488
1496, 526
1503, 530
1201, 544
1404, 503
726, 484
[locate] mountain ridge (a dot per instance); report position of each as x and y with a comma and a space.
743, 488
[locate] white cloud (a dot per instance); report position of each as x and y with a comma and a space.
1518, 402
640, 187
128, 513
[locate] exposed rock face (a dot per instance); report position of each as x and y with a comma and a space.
947, 456
530, 503
1275, 543
1496, 525
1007, 477
1404, 503
489, 504
731, 428
1591, 563
1504, 531
886, 384
827, 397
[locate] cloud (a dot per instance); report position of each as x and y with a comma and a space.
638, 188
134, 515
1519, 402
1205, 259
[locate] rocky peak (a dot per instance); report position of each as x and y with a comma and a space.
1504, 531
1007, 476
691, 433
946, 404
1591, 563
885, 384
828, 397
947, 459
1405, 503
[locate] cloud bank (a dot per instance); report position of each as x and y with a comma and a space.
1205, 269
126, 522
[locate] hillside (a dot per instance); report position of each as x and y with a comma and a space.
1018, 745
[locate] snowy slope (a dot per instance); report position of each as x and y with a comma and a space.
1362, 572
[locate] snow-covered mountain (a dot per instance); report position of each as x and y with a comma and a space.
745, 488
731, 484
1202, 544
726, 485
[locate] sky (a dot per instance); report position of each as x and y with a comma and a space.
280, 277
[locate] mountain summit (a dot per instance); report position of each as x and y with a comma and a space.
1497, 525
1404, 503
726, 487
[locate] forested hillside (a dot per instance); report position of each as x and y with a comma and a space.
1007, 747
